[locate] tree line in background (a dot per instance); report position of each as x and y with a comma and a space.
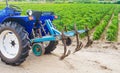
70, 1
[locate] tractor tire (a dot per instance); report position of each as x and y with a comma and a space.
51, 46
14, 43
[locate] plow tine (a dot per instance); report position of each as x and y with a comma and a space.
65, 54
65, 28
89, 41
79, 44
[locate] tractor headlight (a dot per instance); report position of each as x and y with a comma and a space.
29, 12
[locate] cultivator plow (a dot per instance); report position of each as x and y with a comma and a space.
65, 37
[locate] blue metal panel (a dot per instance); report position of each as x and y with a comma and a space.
72, 33
69, 33
43, 39
2, 15
81, 31
56, 31
22, 20
49, 27
50, 23
46, 17
6, 12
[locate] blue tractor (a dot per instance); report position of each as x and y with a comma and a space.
18, 34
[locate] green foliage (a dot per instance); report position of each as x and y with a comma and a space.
79, 14
112, 31
118, 2
99, 29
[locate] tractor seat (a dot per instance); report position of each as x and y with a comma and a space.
37, 14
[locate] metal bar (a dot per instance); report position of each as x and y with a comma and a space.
69, 33
42, 27
49, 27
72, 33
81, 31
65, 54
43, 39
79, 43
56, 31
50, 23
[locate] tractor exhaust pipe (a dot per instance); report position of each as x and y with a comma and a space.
7, 3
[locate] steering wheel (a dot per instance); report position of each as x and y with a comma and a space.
16, 8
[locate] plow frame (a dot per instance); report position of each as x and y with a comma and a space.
55, 34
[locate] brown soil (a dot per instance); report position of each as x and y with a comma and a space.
100, 57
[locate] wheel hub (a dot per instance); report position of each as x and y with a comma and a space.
9, 44
13, 43
38, 50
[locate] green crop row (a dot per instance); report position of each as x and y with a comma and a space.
117, 10
99, 29
112, 31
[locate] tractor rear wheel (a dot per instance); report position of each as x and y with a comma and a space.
50, 46
14, 43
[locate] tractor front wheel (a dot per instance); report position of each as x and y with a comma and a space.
14, 43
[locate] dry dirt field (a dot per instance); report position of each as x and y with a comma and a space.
99, 58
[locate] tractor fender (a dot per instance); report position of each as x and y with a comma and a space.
24, 21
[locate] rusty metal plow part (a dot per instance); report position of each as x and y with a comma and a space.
66, 52
89, 41
79, 43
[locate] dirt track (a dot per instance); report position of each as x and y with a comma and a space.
100, 58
